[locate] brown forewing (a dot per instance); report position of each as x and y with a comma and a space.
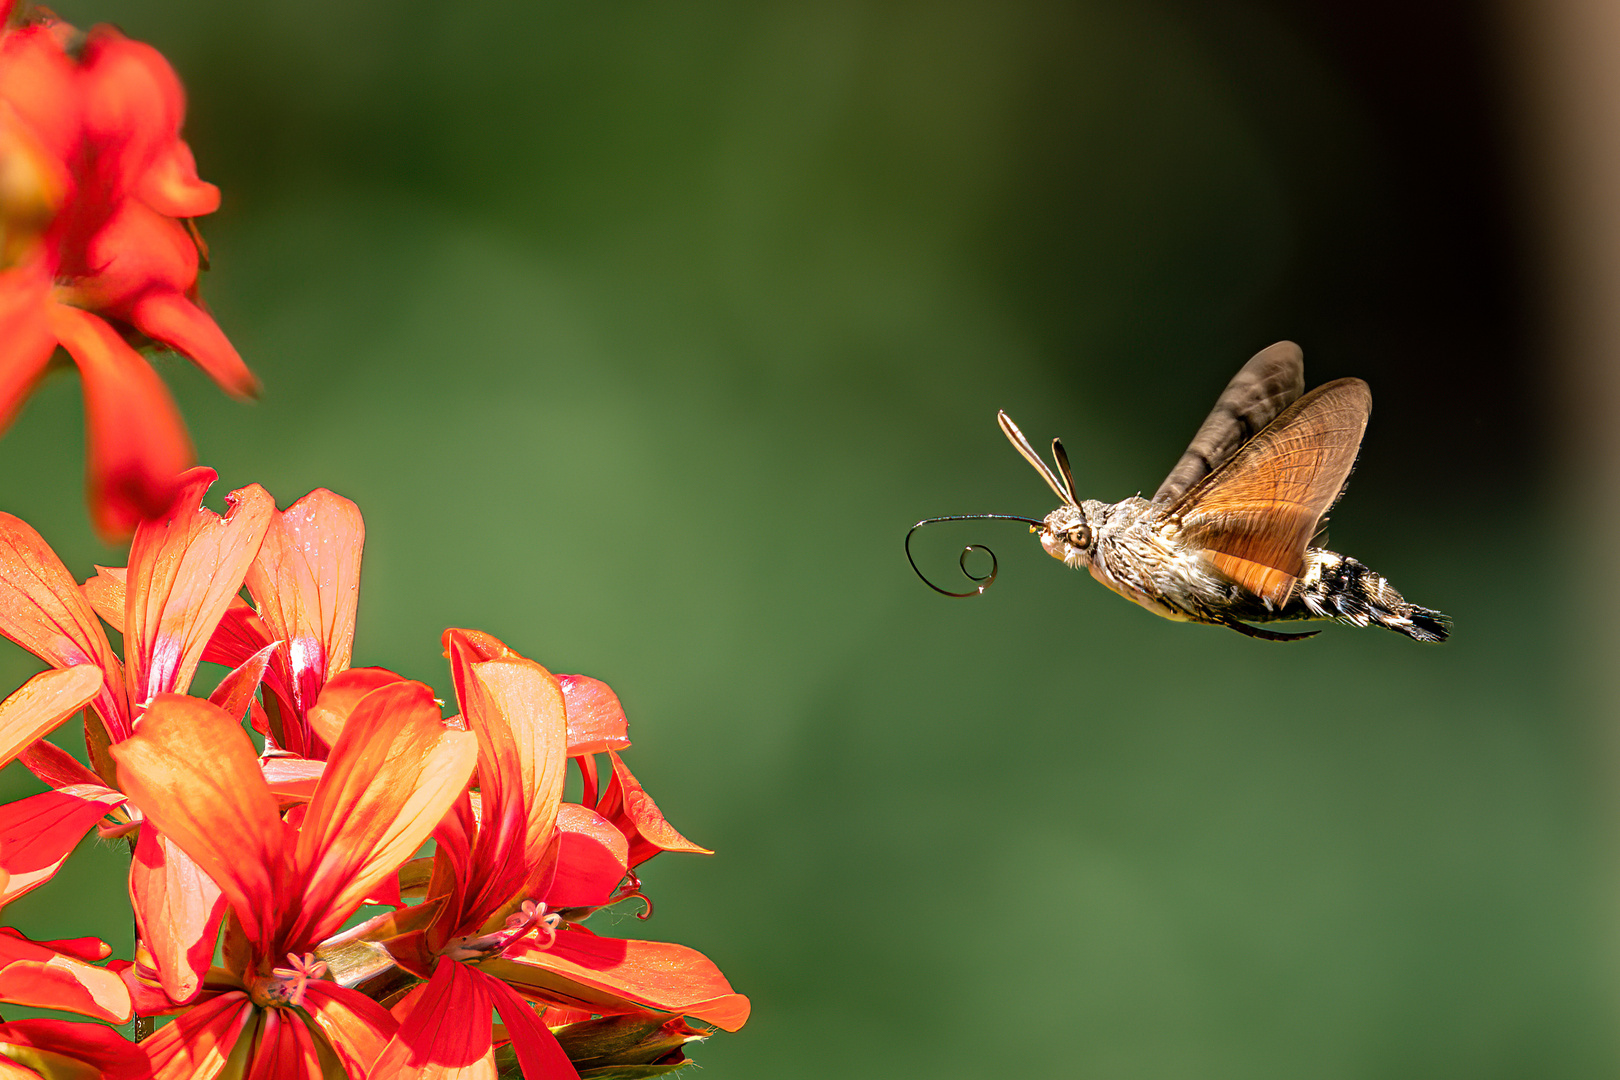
1254, 516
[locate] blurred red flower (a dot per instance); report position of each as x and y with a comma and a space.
97, 250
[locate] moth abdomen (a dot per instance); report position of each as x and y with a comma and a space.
1338, 587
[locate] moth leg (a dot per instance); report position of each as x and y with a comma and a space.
1265, 635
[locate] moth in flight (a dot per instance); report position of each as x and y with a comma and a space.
1227, 537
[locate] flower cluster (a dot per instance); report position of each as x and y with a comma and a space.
264, 855
98, 250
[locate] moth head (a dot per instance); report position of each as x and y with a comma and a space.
1067, 535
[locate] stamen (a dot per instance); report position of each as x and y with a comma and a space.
295, 979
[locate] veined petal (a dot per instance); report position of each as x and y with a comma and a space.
445, 1033
357, 1027
394, 772
595, 718
137, 444
184, 570
340, 695
517, 711
33, 974
292, 779
178, 909
592, 858
628, 806
42, 703
38, 833
107, 592
235, 691
306, 582
42, 610
196, 1045
537, 1050
92, 1044
610, 975
192, 771
284, 1049
56, 766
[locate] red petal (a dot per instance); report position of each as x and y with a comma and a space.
445, 1032
595, 718
55, 766
178, 909
200, 1040
137, 444
609, 974
37, 834
340, 695
537, 1050
185, 568
357, 1027
42, 704
107, 592
92, 1044
42, 610
517, 711
592, 859
26, 341
169, 318
292, 779
633, 810
284, 1050
193, 772
171, 186
392, 775
39, 977
235, 691
133, 103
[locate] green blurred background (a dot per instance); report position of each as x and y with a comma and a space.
641, 332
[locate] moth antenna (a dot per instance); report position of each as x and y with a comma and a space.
1021, 444
1061, 456
980, 582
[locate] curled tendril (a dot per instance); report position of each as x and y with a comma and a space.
981, 582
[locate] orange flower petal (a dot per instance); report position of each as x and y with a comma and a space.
137, 444
106, 592
171, 185
185, 568
306, 583
38, 833
194, 774
200, 1040
42, 704
340, 695
595, 718
394, 772
611, 974
42, 610
34, 975
235, 691
357, 1027
632, 809
178, 909
517, 711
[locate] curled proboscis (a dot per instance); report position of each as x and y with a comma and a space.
981, 582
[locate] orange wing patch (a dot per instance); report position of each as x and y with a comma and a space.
1254, 516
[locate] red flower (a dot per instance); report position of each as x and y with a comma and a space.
57, 1048
185, 570
506, 869
393, 773
94, 183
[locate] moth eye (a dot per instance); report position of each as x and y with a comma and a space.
1080, 536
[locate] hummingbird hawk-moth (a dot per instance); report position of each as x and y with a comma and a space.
1227, 537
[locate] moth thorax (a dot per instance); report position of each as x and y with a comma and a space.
1066, 535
